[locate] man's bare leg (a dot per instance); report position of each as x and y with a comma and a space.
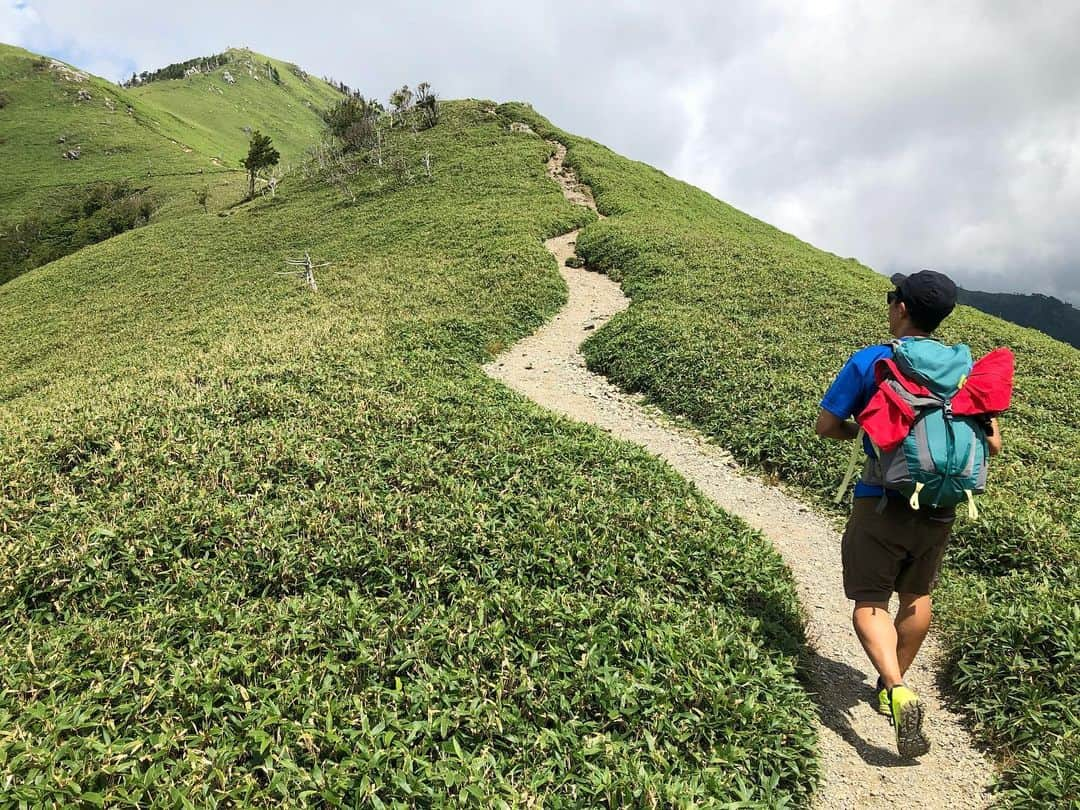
912, 624
878, 636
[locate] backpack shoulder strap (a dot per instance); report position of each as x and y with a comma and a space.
853, 462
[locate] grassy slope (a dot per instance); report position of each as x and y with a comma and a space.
209, 115
43, 106
262, 545
179, 136
741, 327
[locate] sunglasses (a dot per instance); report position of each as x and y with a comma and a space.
893, 296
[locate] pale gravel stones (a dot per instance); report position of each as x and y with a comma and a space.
858, 756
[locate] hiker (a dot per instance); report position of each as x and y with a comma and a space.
888, 545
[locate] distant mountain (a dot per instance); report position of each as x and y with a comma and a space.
217, 101
62, 128
1050, 316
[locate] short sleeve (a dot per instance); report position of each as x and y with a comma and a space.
846, 392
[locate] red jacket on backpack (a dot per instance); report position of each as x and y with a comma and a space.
887, 419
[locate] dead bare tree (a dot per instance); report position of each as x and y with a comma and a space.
306, 270
327, 161
399, 167
377, 151
272, 183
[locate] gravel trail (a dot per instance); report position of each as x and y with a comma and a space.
859, 763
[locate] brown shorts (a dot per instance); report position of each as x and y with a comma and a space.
898, 549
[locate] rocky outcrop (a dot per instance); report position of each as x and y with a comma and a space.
67, 72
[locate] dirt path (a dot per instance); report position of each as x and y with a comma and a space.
858, 757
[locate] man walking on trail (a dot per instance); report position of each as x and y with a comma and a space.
887, 546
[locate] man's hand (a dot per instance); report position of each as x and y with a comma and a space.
830, 426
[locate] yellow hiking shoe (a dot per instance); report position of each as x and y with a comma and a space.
882, 702
907, 719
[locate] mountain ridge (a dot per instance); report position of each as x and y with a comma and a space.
1049, 315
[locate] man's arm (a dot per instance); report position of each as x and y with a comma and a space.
993, 440
831, 426
844, 399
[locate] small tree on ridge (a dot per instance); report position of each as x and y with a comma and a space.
261, 155
401, 100
427, 103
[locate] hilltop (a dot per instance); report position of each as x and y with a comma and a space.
62, 129
142, 152
214, 107
267, 545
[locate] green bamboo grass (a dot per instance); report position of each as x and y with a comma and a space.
260, 546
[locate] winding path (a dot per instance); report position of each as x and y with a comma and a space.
859, 763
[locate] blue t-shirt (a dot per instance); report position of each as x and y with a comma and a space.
849, 394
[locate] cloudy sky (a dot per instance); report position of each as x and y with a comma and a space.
908, 134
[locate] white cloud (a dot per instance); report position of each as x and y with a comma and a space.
16, 20
909, 136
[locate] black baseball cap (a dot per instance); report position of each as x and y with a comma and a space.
928, 294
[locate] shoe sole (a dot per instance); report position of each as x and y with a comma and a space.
910, 740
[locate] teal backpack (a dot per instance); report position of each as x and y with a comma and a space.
942, 461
